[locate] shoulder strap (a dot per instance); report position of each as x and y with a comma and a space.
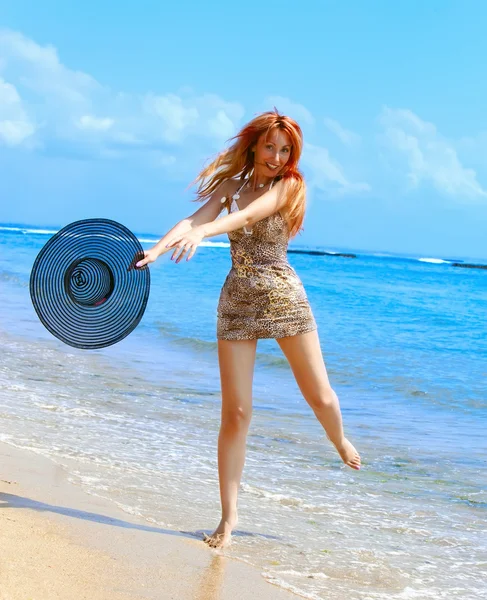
244, 182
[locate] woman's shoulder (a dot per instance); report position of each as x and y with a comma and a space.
292, 184
231, 185
291, 179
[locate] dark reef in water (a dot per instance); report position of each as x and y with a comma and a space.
468, 265
454, 263
322, 253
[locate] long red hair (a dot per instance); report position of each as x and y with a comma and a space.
238, 161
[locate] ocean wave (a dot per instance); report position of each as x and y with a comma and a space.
166, 329
13, 278
281, 499
277, 581
154, 240
435, 261
27, 230
305, 574
270, 360
147, 240
144, 240
216, 244
172, 333
195, 344
452, 263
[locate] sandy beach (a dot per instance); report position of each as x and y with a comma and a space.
60, 543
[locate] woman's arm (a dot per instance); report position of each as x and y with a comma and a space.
269, 203
205, 214
179, 229
264, 206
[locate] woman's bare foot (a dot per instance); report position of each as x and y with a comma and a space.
348, 454
222, 535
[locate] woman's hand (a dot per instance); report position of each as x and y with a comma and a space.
186, 241
149, 257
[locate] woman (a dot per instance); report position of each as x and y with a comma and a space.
257, 180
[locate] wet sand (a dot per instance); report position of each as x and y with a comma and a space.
58, 542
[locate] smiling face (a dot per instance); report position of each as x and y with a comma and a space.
271, 153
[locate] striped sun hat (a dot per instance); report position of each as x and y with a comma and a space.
84, 286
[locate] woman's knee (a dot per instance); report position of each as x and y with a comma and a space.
322, 399
236, 418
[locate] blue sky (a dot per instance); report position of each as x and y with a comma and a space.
109, 109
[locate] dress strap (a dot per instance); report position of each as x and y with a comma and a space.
227, 200
245, 183
236, 195
241, 187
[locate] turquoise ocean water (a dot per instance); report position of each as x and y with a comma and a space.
405, 343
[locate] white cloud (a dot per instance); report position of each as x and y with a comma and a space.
167, 160
347, 137
221, 125
15, 125
327, 174
173, 117
95, 123
428, 156
41, 71
473, 149
207, 116
69, 104
13, 133
292, 109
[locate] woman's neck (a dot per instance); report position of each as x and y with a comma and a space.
259, 181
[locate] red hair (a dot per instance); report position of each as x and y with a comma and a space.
238, 161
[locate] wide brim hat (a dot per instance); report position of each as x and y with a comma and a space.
84, 285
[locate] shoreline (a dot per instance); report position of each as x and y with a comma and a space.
59, 542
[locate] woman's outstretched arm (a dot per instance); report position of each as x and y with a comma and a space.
269, 203
205, 214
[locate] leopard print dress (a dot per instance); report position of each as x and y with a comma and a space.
262, 296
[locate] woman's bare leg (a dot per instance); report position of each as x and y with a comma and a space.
236, 359
306, 360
